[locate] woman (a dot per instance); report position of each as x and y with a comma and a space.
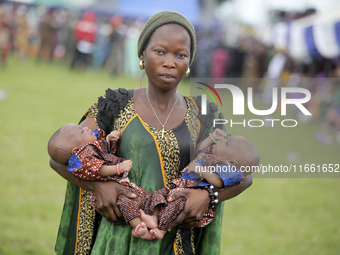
159, 126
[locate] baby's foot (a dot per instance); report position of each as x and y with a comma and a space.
150, 221
157, 233
141, 231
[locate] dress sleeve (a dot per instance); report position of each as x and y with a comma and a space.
107, 108
206, 121
91, 113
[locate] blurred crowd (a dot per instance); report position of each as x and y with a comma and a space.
85, 40
88, 39
103, 42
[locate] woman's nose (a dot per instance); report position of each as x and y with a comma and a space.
169, 61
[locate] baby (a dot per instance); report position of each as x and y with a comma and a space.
218, 163
90, 155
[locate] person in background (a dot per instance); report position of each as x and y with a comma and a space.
4, 37
21, 42
48, 36
85, 33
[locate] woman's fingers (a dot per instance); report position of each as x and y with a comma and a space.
106, 194
178, 221
177, 195
197, 202
125, 192
110, 214
107, 213
115, 212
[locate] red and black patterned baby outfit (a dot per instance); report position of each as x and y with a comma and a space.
170, 211
85, 164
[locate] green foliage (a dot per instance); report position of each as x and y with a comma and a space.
274, 216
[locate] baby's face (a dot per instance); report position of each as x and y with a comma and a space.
77, 135
232, 147
225, 146
238, 150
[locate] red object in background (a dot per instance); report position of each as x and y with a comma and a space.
86, 28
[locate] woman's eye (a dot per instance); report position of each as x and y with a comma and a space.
182, 55
159, 51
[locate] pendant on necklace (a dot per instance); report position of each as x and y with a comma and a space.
163, 132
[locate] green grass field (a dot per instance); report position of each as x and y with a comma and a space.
274, 216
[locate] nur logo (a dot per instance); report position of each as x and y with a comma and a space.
238, 99
204, 97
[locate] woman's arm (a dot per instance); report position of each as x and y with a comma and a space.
106, 192
63, 172
233, 191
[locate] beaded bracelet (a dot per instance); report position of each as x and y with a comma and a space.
212, 194
212, 138
118, 169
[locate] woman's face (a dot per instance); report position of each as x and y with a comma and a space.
167, 56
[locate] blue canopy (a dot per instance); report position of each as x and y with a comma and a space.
145, 9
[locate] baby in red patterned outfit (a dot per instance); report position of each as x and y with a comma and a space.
74, 141
90, 155
218, 164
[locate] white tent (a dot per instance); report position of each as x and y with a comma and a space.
324, 33
316, 35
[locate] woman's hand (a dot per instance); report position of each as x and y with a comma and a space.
106, 194
197, 203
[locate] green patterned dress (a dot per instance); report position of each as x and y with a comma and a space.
156, 162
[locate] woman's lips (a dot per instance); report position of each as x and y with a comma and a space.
167, 77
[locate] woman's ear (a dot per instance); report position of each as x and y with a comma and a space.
141, 57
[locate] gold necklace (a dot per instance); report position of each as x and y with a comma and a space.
147, 95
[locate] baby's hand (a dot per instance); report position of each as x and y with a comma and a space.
114, 135
219, 134
125, 166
